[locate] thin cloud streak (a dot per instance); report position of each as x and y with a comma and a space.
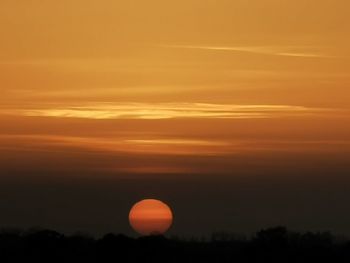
154, 111
168, 146
262, 50
174, 146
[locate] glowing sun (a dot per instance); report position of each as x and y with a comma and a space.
150, 217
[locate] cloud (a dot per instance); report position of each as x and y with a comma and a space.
285, 51
145, 146
169, 146
151, 111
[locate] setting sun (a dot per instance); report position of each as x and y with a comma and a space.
150, 217
235, 113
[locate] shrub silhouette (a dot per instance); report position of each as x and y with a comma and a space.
268, 245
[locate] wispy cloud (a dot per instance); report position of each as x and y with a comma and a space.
164, 146
170, 146
302, 52
168, 111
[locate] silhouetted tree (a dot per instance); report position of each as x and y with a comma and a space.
268, 245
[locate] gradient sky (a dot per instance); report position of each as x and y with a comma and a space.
235, 113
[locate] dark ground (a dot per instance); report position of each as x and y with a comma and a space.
270, 245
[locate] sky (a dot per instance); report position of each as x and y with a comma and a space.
234, 113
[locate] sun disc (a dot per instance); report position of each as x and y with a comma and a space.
150, 217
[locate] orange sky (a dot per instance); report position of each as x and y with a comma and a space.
234, 52
193, 78
164, 89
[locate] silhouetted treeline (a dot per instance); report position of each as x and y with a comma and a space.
270, 245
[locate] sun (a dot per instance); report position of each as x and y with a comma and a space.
150, 217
